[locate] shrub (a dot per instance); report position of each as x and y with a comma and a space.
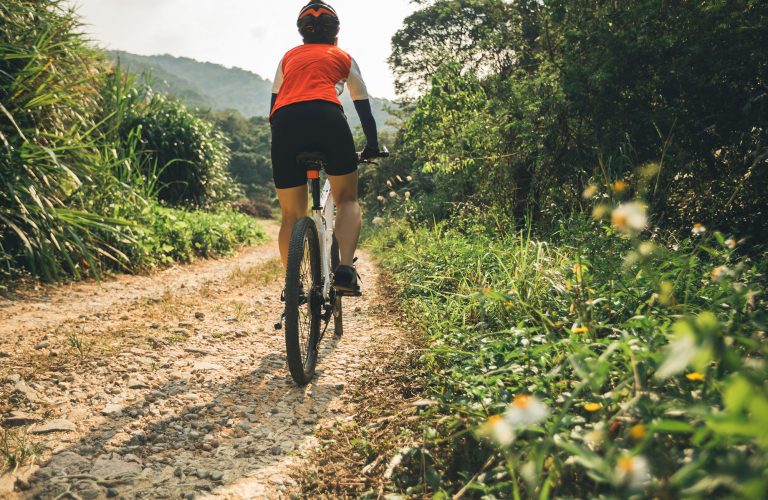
186, 154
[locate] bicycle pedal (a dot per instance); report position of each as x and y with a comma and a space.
279, 324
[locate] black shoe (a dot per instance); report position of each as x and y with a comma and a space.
345, 279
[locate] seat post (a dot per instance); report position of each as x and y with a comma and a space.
313, 174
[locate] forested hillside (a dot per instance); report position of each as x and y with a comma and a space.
208, 85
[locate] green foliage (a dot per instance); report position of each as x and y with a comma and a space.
616, 366
187, 155
536, 99
182, 236
78, 183
47, 101
249, 141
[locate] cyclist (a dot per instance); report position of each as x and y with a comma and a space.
307, 116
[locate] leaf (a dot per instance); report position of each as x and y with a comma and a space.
672, 426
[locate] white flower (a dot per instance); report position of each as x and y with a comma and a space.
720, 273
680, 352
389, 184
630, 217
409, 178
526, 410
407, 195
392, 194
730, 243
399, 179
698, 229
381, 199
498, 430
632, 471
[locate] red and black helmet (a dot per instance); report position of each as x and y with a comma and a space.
318, 23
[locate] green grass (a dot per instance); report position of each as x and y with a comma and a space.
641, 357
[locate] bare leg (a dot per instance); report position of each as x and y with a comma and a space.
348, 220
293, 204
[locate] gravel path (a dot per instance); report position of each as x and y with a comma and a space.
172, 385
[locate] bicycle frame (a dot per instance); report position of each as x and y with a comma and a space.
324, 213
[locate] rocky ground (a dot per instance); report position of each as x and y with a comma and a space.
172, 385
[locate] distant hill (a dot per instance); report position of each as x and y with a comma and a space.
208, 85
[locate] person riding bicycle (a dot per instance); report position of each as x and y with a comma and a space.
306, 116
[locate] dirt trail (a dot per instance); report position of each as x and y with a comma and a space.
172, 385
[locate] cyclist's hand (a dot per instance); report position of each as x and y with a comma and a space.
370, 152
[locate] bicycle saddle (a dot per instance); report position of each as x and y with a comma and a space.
312, 159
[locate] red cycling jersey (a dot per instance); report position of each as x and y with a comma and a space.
313, 72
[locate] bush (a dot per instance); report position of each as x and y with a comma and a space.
186, 155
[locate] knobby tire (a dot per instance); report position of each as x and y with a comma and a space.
303, 301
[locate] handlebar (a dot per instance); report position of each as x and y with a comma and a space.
382, 153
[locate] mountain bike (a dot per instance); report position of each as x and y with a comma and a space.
311, 301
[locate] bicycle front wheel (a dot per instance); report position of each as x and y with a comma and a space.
303, 301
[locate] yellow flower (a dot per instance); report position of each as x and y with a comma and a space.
630, 217
695, 377
381, 199
600, 212
392, 194
409, 178
589, 192
698, 229
399, 179
620, 186
638, 432
407, 195
389, 184
593, 407
581, 329
573, 308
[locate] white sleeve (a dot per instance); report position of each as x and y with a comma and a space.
357, 89
278, 78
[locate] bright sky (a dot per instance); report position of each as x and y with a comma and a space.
250, 34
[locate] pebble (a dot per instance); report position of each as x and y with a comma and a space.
20, 418
276, 450
178, 472
137, 383
42, 345
217, 475
112, 410
199, 316
59, 425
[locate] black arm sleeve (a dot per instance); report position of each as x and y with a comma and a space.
365, 113
272, 103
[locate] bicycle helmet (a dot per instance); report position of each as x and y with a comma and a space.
318, 23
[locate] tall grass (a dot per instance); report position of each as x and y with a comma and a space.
86, 156
47, 99
588, 364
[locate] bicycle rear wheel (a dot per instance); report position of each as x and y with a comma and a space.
303, 301
338, 318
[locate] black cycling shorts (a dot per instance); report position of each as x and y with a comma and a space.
309, 127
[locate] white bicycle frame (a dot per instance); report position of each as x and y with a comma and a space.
324, 222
